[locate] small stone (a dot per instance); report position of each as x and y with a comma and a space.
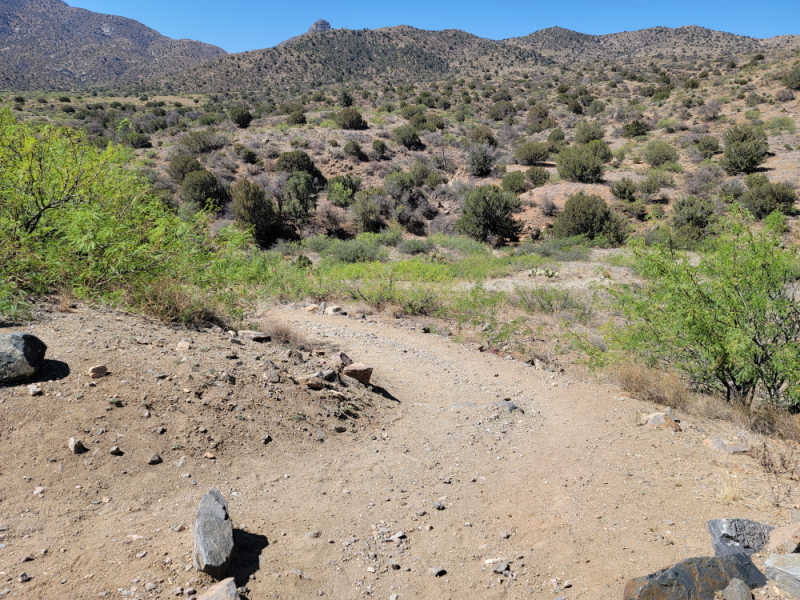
38, 491
155, 460
98, 371
23, 578
314, 383
438, 506
76, 446
35, 389
358, 371
184, 346
333, 310
266, 439
437, 571
501, 568
117, 451
345, 360
141, 554
255, 336
312, 308
224, 590
727, 447
313, 534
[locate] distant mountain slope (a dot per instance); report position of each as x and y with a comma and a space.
48, 44
340, 55
564, 45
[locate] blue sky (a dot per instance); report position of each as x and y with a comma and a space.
238, 25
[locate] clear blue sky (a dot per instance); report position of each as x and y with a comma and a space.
238, 25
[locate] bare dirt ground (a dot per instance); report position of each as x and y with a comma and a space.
431, 469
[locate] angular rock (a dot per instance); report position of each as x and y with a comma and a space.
737, 536
359, 371
76, 446
334, 310
727, 447
737, 590
694, 579
784, 569
344, 360
784, 540
213, 536
21, 356
98, 371
255, 336
224, 590
155, 460
35, 389
660, 420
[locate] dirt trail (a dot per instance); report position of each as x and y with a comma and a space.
568, 490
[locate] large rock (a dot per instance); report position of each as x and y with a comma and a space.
784, 569
358, 371
224, 590
695, 579
213, 536
737, 536
737, 590
21, 356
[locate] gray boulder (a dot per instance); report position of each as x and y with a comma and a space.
738, 536
224, 590
213, 536
784, 569
695, 579
737, 590
21, 356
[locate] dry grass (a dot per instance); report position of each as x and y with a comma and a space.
653, 385
282, 333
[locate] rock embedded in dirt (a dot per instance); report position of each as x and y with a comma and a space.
116, 451
155, 460
727, 447
661, 420
694, 579
784, 569
738, 536
438, 571
35, 389
76, 446
359, 371
255, 336
737, 590
224, 590
784, 540
98, 371
21, 356
334, 310
213, 536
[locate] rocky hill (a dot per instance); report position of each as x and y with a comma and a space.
48, 44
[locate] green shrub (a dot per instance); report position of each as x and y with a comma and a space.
296, 117
691, 218
342, 189
415, 246
481, 135
708, 146
588, 131
353, 148
298, 161
515, 182
202, 189
764, 197
746, 147
792, 78
202, 141
379, 148
635, 128
538, 176
251, 206
240, 115
580, 163
488, 213
589, 216
531, 153
624, 189
407, 136
366, 212
350, 118
299, 197
659, 152
181, 164
729, 322
480, 160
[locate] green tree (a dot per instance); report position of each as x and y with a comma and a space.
342, 189
588, 215
299, 197
367, 212
181, 165
350, 118
588, 131
729, 322
488, 213
580, 163
240, 115
407, 136
251, 206
764, 197
480, 160
203, 190
298, 161
659, 152
515, 182
746, 147
531, 153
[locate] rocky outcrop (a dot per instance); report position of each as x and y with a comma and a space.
21, 356
738, 536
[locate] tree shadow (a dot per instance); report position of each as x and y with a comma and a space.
248, 550
51, 370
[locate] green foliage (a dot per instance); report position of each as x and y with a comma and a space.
580, 163
297, 117
298, 161
415, 246
691, 218
353, 148
240, 115
181, 165
515, 182
299, 197
588, 131
635, 128
589, 216
367, 212
659, 152
480, 160
407, 136
488, 213
624, 189
538, 176
531, 153
481, 135
202, 141
379, 148
203, 190
792, 78
746, 147
764, 197
251, 207
342, 189
350, 118
708, 146
729, 323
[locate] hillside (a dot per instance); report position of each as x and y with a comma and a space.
325, 57
48, 44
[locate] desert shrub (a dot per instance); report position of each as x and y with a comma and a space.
296, 117
342, 189
398, 185
240, 115
624, 189
482, 135
635, 128
515, 182
181, 164
379, 148
350, 118
415, 246
298, 161
792, 78
488, 213
728, 322
298, 197
353, 148
366, 212
600, 150
407, 136
361, 249
500, 110
746, 147
480, 160
691, 218
589, 216
588, 131
703, 180
251, 206
763, 197
531, 153
659, 152
580, 163
202, 189
538, 176
708, 146
202, 141
784, 95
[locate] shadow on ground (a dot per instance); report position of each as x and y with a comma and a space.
248, 550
